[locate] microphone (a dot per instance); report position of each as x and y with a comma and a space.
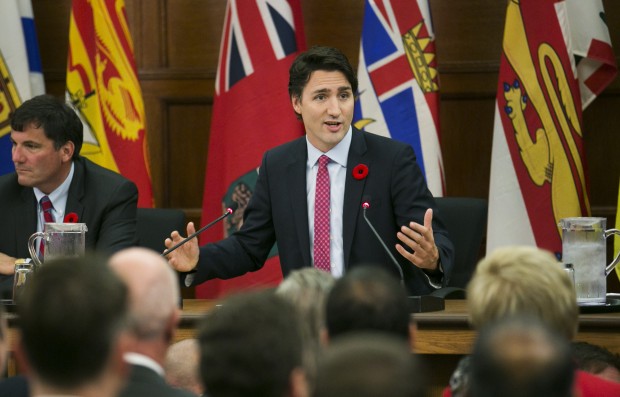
365, 206
417, 304
227, 213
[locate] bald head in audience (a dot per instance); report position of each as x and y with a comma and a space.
153, 318
182, 366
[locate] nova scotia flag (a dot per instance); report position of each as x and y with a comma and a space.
398, 84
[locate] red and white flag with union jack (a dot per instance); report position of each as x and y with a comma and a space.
556, 59
252, 113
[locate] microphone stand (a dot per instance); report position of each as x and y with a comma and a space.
417, 303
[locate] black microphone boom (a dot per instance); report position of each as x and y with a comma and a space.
417, 304
365, 206
227, 213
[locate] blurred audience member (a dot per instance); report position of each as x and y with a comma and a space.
520, 357
525, 281
369, 365
153, 318
181, 366
307, 289
72, 321
597, 360
368, 298
251, 346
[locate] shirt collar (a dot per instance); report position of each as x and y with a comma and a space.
337, 154
144, 361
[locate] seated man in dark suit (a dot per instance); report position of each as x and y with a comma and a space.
72, 324
310, 191
47, 137
153, 318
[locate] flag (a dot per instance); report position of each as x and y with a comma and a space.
556, 58
103, 87
252, 113
398, 81
616, 238
21, 76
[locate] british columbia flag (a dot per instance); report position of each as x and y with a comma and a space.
398, 82
252, 113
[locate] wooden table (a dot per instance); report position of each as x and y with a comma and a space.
446, 331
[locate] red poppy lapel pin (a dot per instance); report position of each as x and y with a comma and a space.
71, 217
360, 171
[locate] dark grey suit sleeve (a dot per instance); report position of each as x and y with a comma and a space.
118, 222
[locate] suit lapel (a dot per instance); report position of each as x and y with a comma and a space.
353, 190
76, 191
296, 183
28, 225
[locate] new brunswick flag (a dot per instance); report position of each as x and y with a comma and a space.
556, 58
103, 87
252, 113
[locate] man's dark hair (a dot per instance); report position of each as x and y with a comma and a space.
369, 365
368, 298
520, 357
593, 358
57, 119
249, 346
318, 58
70, 318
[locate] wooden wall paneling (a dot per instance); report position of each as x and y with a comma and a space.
467, 129
194, 30
334, 23
468, 33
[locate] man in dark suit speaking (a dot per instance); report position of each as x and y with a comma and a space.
310, 192
47, 137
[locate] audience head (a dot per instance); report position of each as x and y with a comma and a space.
369, 365
597, 360
181, 366
251, 346
521, 357
58, 121
517, 281
153, 295
71, 320
368, 298
318, 58
307, 290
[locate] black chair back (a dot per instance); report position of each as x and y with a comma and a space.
466, 221
155, 225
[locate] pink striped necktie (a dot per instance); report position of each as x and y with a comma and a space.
46, 207
321, 217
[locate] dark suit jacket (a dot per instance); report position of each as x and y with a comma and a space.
104, 200
395, 188
144, 382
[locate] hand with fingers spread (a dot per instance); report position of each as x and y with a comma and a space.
184, 258
421, 243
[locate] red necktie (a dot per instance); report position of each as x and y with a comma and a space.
46, 207
321, 217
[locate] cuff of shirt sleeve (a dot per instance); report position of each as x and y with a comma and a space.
436, 278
